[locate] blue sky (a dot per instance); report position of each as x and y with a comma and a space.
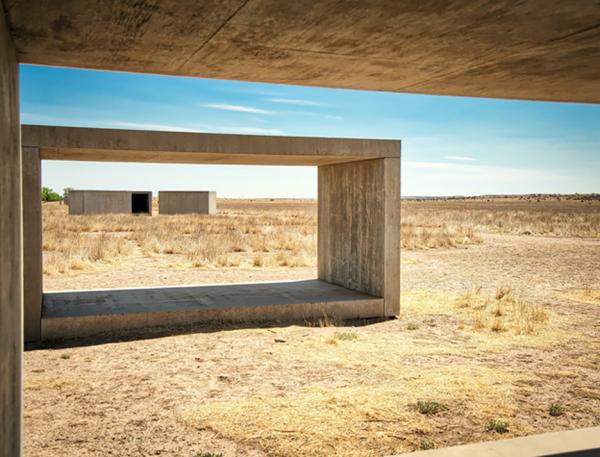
450, 145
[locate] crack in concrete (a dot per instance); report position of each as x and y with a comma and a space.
212, 35
578, 32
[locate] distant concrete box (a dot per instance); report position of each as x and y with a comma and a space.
109, 202
187, 202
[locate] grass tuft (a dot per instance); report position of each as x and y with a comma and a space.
498, 426
430, 407
556, 409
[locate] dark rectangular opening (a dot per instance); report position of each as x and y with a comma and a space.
140, 203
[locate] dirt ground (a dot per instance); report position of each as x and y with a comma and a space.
292, 390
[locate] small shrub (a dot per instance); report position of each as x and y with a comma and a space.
498, 426
412, 326
503, 292
430, 407
556, 409
497, 326
65, 356
208, 454
426, 444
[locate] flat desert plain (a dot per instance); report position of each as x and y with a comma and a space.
499, 336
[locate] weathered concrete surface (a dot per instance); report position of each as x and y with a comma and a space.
583, 442
73, 143
32, 244
11, 267
187, 202
502, 48
104, 201
359, 228
83, 313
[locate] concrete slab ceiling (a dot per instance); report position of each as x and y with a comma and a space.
109, 145
529, 49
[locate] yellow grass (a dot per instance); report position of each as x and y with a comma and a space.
247, 237
283, 233
373, 419
490, 319
549, 216
378, 417
587, 294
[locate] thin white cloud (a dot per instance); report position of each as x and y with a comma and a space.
143, 126
238, 108
295, 101
251, 131
460, 158
106, 123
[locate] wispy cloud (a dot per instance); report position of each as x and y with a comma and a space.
238, 108
250, 131
295, 101
143, 126
106, 123
460, 158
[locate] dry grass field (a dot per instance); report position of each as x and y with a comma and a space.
499, 336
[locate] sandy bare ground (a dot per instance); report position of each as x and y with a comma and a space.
142, 271
238, 392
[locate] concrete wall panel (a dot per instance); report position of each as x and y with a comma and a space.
182, 202
32, 244
11, 270
75, 202
100, 202
359, 228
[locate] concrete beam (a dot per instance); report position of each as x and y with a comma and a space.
11, 266
73, 143
32, 244
527, 49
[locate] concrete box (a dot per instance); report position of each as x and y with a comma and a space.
109, 202
187, 202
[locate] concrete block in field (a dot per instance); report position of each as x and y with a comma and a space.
187, 202
109, 202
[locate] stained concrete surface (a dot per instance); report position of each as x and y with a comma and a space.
11, 254
114, 145
32, 244
81, 313
187, 202
359, 228
528, 49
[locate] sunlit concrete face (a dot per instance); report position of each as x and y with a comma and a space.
187, 202
529, 49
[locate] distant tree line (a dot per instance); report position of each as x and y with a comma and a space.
48, 195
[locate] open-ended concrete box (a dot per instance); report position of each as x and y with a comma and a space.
358, 233
109, 202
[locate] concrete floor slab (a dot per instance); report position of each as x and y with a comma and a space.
73, 314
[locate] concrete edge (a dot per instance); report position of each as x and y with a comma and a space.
580, 442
